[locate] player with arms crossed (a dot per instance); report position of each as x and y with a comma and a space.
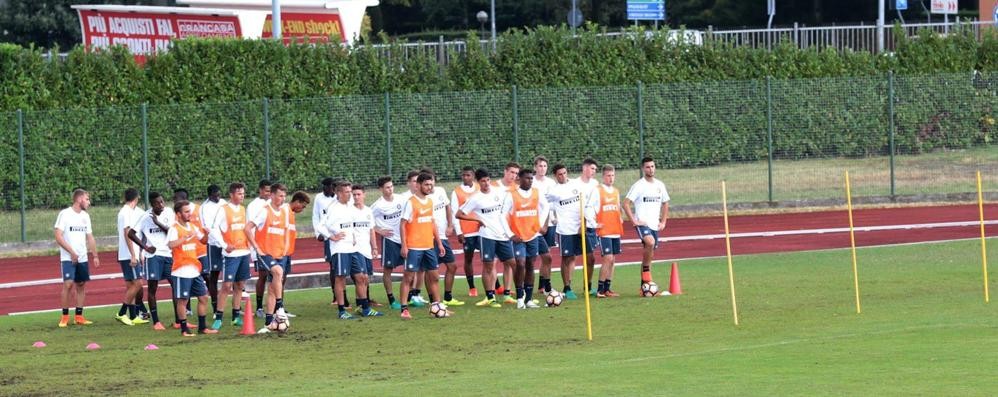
490, 208
647, 206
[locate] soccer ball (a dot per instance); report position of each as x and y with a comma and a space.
649, 289
282, 320
554, 298
439, 310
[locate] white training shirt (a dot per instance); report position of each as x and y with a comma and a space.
209, 215
362, 226
319, 209
127, 216
492, 209
388, 215
544, 185
591, 197
75, 227
648, 198
255, 208
471, 190
340, 218
153, 236
440, 204
189, 271
564, 200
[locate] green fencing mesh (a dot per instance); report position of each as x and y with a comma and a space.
783, 141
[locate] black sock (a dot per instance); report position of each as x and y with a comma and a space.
279, 304
490, 294
505, 292
497, 283
448, 296
391, 298
599, 286
645, 268
607, 285
183, 326
259, 301
202, 324
405, 307
235, 314
416, 292
141, 305
346, 301
79, 311
131, 311
568, 288
269, 319
364, 304
471, 281
528, 291
519, 293
544, 284
214, 304
218, 314
589, 286
123, 309
342, 308
65, 311
155, 315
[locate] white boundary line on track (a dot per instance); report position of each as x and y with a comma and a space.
557, 269
775, 233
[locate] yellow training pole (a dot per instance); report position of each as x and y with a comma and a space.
984, 244
727, 245
585, 273
852, 242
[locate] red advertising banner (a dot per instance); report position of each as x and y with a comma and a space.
310, 28
147, 33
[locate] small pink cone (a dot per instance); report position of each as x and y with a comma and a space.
93, 346
152, 347
39, 344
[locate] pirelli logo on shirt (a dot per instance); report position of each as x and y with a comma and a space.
346, 225
568, 201
363, 224
439, 207
77, 229
525, 213
154, 230
275, 231
651, 199
424, 219
491, 209
238, 226
394, 215
611, 207
188, 247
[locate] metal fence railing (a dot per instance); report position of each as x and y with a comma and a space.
901, 137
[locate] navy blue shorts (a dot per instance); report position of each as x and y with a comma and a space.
186, 288
551, 237
647, 231
448, 256
471, 243
370, 265
158, 268
346, 264
391, 254
236, 269
609, 245
571, 244
204, 263
215, 261
78, 272
527, 249
326, 253
492, 249
267, 262
131, 273
421, 260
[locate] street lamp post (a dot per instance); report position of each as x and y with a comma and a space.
482, 17
492, 11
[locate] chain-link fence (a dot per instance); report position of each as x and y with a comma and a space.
787, 141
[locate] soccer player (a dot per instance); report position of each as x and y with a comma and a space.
508, 183
443, 218
366, 246
299, 200
544, 184
415, 291
230, 232
528, 221
419, 233
490, 207
208, 214
149, 232
128, 258
182, 239
337, 228
322, 202
466, 231
564, 198
271, 228
75, 237
587, 187
387, 212
253, 210
647, 206
609, 228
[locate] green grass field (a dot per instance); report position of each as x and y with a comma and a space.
933, 173
924, 330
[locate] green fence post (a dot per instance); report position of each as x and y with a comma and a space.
641, 121
769, 132
388, 130
516, 126
890, 124
266, 134
20, 153
145, 150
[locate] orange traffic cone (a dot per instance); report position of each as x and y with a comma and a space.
248, 314
674, 287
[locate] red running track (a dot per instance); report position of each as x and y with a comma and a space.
686, 238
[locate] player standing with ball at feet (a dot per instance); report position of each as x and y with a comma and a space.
647, 205
419, 234
230, 232
183, 240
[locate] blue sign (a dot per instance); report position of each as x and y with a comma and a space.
900, 4
646, 10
